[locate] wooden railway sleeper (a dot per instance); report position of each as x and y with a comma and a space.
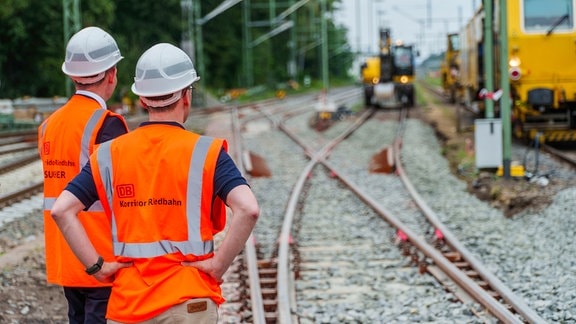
268, 282
462, 265
270, 306
267, 272
269, 293
453, 256
456, 258
437, 240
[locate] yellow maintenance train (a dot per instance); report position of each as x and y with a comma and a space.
388, 78
541, 66
450, 69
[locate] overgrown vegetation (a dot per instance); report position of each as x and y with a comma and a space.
32, 42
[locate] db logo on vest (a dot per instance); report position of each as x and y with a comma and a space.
125, 190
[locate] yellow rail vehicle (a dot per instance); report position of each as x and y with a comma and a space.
541, 55
388, 78
370, 76
450, 69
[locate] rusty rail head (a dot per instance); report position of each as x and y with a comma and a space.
559, 154
258, 313
496, 308
21, 194
455, 274
284, 279
495, 283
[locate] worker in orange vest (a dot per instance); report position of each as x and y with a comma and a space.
165, 191
65, 141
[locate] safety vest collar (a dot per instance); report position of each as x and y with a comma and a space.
94, 96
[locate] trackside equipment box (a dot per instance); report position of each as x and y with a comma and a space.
488, 143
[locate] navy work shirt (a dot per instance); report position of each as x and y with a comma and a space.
226, 177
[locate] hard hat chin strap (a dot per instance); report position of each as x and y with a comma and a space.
89, 80
162, 103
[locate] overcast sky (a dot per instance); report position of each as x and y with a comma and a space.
421, 22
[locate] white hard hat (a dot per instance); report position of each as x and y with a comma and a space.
90, 52
162, 70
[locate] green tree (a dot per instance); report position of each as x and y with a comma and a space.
138, 25
32, 45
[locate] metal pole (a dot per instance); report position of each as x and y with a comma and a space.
488, 57
272, 12
505, 86
429, 13
370, 7
292, 46
358, 27
325, 80
188, 32
248, 67
200, 53
71, 16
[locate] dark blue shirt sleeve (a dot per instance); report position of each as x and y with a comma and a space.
226, 178
82, 186
112, 127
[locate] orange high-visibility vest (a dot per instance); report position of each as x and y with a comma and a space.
156, 184
65, 141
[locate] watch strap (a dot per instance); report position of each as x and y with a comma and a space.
95, 267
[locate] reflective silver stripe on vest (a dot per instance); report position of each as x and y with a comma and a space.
83, 158
43, 130
87, 136
194, 244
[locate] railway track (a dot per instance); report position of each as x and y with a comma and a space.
256, 272
18, 167
259, 268
453, 261
19, 155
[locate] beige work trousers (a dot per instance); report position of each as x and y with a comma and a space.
197, 311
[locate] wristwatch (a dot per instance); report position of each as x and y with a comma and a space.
96, 266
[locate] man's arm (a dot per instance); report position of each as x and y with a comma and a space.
64, 213
245, 213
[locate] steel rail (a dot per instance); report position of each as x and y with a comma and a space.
441, 261
298, 105
301, 103
285, 306
25, 132
24, 160
18, 139
559, 154
481, 295
507, 295
258, 312
21, 194
516, 302
18, 147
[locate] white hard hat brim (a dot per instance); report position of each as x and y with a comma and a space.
71, 73
160, 93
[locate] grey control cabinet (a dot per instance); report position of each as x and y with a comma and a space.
488, 143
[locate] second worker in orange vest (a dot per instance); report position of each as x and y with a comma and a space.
165, 191
65, 141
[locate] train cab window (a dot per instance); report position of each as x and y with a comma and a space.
454, 42
403, 57
548, 15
